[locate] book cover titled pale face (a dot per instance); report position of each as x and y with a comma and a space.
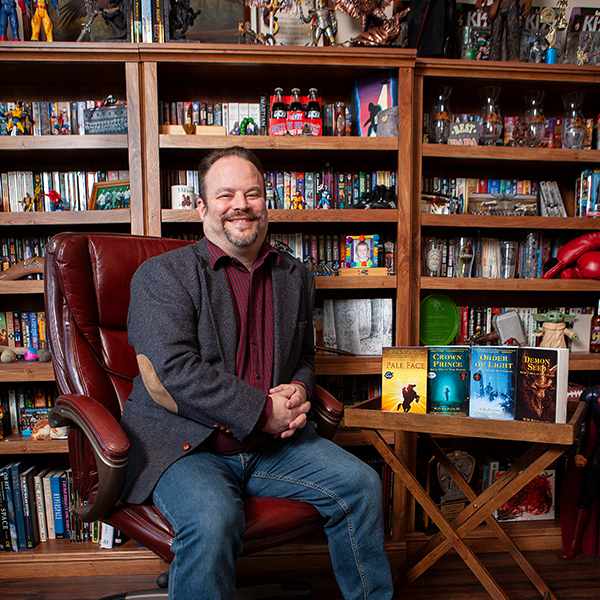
404, 383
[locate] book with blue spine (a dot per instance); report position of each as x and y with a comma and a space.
448, 380
56, 495
10, 507
493, 382
15, 472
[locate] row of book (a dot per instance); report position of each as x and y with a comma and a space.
23, 329
14, 250
27, 191
487, 257
24, 411
62, 118
36, 505
587, 193
476, 321
487, 382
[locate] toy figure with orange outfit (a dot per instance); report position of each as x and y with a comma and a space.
40, 17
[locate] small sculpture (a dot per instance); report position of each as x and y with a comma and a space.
324, 22
118, 18
554, 329
503, 15
377, 28
41, 18
18, 120
8, 16
181, 18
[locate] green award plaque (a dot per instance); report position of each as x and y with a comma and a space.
439, 320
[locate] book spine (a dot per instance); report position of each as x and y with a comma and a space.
12, 524
40, 507
57, 511
4, 517
48, 504
18, 506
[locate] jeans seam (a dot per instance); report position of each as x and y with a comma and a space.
346, 510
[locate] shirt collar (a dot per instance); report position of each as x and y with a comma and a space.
218, 257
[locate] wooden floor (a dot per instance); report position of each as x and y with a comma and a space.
449, 579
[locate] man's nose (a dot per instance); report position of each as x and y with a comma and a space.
240, 202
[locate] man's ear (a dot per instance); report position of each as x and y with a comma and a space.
201, 208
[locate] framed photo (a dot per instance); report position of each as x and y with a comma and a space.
362, 250
107, 195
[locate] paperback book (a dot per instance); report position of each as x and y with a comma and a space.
448, 380
404, 383
542, 381
493, 378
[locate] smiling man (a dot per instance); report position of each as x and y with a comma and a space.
224, 341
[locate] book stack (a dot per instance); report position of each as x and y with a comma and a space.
487, 382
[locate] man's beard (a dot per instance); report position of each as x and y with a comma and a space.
241, 239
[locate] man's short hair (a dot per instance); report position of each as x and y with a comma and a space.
210, 159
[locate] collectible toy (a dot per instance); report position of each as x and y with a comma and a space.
181, 18
323, 20
554, 329
8, 15
41, 18
17, 120
57, 203
118, 18
324, 202
298, 201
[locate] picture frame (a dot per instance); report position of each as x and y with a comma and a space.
109, 195
362, 251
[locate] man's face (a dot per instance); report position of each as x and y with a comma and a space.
234, 213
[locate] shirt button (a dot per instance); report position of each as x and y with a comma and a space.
185, 447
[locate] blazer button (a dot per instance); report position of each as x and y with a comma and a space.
185, 447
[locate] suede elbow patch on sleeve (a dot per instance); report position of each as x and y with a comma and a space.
155, 388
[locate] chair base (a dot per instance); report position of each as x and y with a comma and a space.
295, 590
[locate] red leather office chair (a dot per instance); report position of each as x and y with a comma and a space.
87, 279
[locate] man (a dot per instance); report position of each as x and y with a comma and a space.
223, 335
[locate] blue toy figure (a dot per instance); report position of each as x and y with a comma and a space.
8, 15
324, 202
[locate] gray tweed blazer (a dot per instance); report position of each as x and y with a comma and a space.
182, 327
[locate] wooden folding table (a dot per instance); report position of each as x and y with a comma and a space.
548, 442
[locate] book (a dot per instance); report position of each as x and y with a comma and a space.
4, 526
448, 380
48, 502
40, 504
493, 378
542, 381
5, 481
57, 502
534, 502
404, 382
30, 514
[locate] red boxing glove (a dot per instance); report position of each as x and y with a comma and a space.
572, 251
588, 267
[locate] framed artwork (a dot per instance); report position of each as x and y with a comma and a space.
362, 250
108, 195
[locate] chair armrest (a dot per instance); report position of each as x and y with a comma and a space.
108, 443
327, 411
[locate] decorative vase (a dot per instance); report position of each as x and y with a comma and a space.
441, 116
490, 124
573, 126
534, 116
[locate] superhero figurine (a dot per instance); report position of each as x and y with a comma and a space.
324, 202
17, 120
324, 22
589, 467
40, 17
8, 15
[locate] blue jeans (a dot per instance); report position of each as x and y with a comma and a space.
201, 495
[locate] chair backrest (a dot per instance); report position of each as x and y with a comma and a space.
87, 290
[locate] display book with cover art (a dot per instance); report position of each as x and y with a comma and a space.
542, 382
493, 382
448, 380
404, 382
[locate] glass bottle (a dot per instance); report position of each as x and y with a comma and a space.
490, 124
595, 337
313, 110
534, 116
295, 104
441, 116
279, 110
573, 125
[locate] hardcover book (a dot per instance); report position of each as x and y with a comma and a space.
493, 378
542, 381
448, 380
404, 383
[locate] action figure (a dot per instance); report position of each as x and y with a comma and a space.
575, 519
323, 20
40, 17
503, 15
181, 18
17, 120
118, 18
57, 203
554, 329
324, 201
8, 15
298, 201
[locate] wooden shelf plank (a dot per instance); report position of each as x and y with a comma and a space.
19, 444
328, 364
67, 217
499, 222
63, 142
349, 283
22, 286
518, 285
26, 371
